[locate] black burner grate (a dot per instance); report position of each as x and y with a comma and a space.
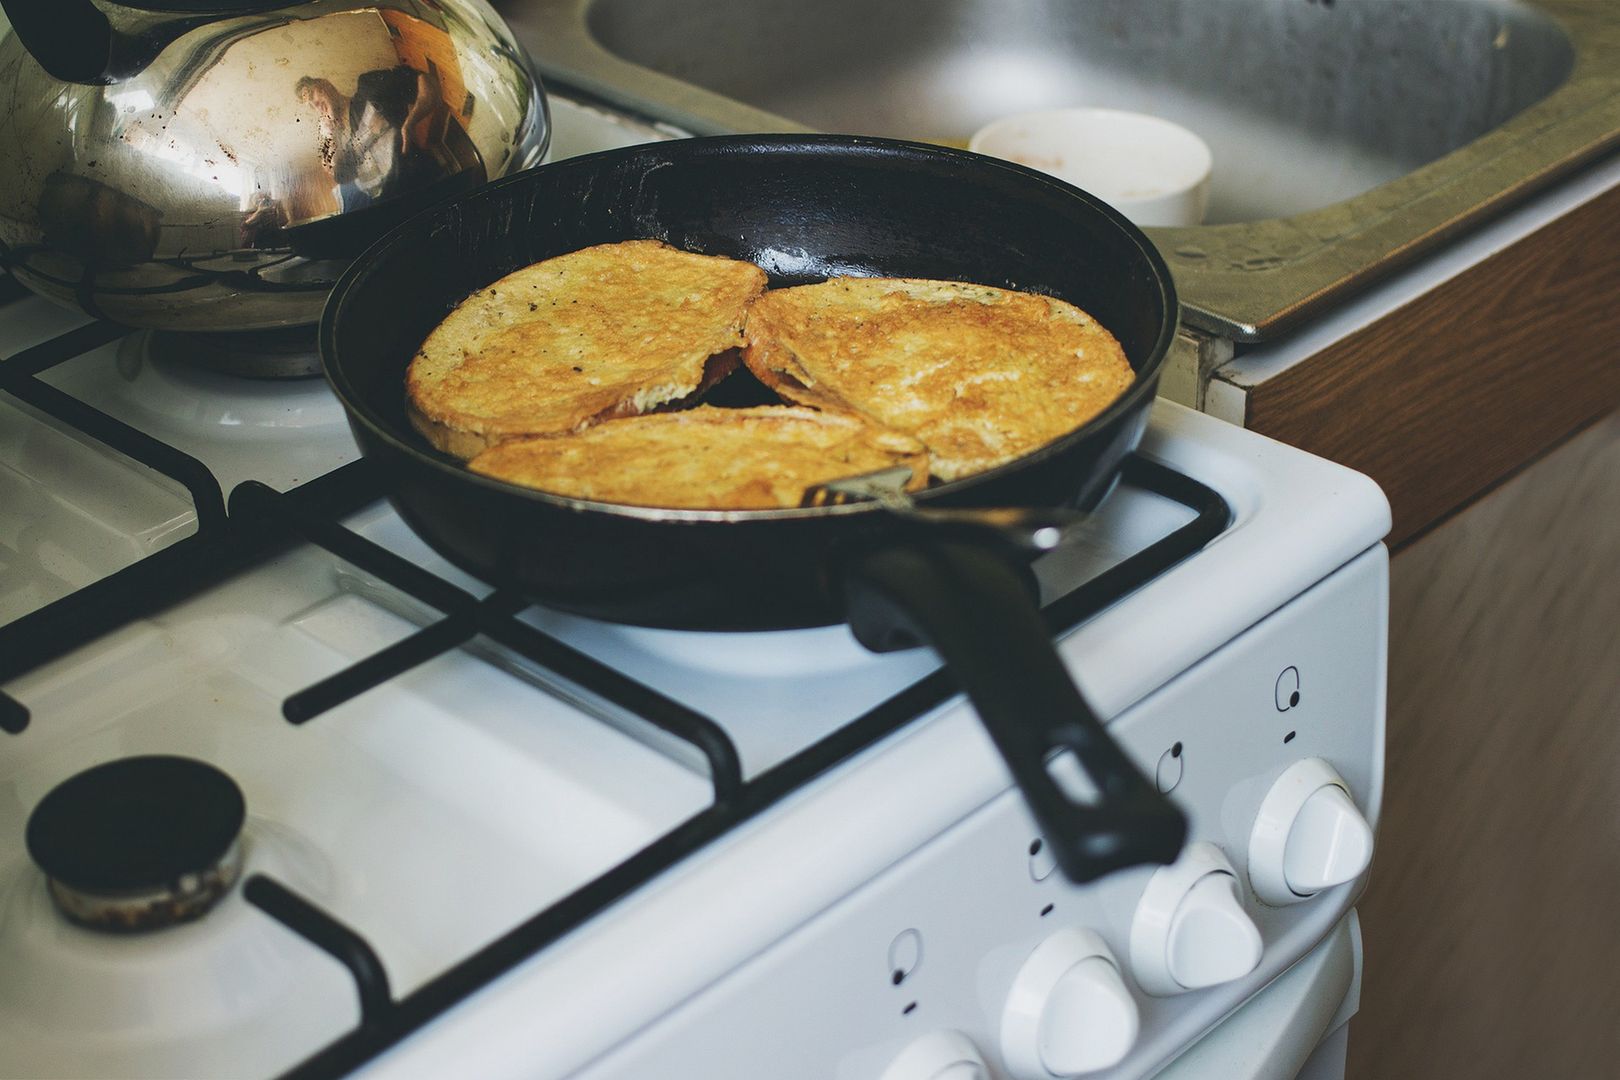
19, 377
261, 521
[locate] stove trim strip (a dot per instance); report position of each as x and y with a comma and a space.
461, 980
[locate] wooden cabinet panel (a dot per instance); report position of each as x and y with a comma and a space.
1492, 922
1470, 381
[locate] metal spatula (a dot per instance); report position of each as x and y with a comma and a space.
1035, 529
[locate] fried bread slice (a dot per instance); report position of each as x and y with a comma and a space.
608, 331
704, 458
979, 375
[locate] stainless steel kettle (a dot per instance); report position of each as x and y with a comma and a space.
215, 164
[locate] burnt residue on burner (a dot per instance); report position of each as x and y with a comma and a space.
188, 898
139, 843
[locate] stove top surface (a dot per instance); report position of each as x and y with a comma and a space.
448, 776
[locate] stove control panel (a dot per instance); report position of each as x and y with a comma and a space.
974, 943
1190, 930
1069, 1011
1308, 836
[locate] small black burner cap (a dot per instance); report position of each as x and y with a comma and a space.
135, 823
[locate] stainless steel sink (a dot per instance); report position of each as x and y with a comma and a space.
1348, 134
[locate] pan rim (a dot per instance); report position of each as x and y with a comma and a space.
1145, 382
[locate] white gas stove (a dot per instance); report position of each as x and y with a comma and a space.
469, 837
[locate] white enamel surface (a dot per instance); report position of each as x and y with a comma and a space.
76, 512
1304, 838
939, 1055
1153, 171
73, 514
281, 432
1329, 844
193, 998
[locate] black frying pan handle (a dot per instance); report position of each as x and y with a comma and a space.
974, 605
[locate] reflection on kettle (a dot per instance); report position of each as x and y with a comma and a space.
218, 171
393, 133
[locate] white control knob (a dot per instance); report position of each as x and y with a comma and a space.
1308, 835
1190, 930
1212, 939
939, 1055
1069, 1012
1330, 843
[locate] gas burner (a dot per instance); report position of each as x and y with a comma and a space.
139, 843
259, 354
166, 377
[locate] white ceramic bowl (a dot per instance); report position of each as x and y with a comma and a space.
1152, 171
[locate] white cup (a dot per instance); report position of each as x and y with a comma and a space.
1152, 171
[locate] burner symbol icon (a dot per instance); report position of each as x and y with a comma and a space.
1287, 693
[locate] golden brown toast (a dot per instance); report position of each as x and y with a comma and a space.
979, 375
609, 331
704, 458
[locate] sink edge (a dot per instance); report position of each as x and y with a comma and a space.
1249, 281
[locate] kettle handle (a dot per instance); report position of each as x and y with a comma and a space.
71, 39
74, 41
